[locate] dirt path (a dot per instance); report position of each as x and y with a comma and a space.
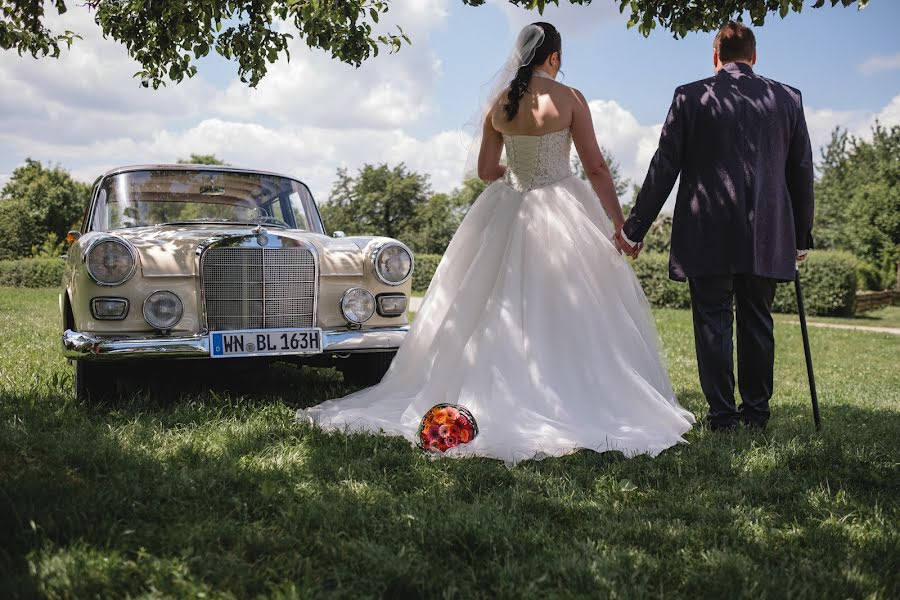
891, 330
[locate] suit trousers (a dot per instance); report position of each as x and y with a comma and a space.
713, 300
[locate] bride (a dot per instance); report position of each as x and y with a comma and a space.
534, 320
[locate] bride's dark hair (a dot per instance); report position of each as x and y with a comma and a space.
519, 85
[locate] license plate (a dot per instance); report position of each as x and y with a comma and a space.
265, 342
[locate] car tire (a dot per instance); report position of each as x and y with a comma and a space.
93, 382
366, 368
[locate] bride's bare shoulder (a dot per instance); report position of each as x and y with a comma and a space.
576, 98
570, 92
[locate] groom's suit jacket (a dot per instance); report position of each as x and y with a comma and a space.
745, 200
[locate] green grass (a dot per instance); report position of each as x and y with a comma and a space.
889, 316
221, 494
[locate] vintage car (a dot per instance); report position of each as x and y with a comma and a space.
214, 262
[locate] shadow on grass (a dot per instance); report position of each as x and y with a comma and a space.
254, 380
223, 494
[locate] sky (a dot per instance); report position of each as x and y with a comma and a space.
312, 115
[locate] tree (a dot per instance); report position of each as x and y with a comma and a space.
37, 202
166, 38
681, 17
201, 159
465, 195
437, 220
614, 170
379, 201
858, 198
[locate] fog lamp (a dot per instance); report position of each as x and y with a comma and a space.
391, 305
109, 309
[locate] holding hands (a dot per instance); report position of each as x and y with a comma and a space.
622, 244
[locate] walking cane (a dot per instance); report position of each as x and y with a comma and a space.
809, 366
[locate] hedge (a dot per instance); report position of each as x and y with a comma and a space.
652, 270
32, 272
424, 270
828, 278
829, 283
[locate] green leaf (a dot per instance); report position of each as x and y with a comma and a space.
156, 32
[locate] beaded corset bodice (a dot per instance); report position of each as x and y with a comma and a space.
537, 160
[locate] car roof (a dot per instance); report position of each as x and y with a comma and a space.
190, 167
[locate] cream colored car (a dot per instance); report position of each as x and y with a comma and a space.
213, 262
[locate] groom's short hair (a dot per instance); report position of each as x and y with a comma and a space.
734, 42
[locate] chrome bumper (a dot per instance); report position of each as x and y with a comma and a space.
78, 345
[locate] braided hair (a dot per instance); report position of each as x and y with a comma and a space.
519, 85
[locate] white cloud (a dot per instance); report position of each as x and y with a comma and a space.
821, 122
310, 153
890, 114
879, 64
312, 88
631, 143
307, 117
388, 91
89, 92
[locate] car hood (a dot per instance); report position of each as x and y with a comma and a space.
167, 250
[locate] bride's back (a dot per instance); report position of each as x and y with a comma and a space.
546, 106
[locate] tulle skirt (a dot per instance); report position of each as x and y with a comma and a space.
537, 325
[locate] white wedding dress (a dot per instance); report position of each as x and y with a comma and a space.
535, 323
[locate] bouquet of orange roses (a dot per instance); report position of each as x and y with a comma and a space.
445, 426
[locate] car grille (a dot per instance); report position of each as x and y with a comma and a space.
259, 288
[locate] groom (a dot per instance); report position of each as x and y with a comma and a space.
743, 216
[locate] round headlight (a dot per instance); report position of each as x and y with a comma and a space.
358, 305
163, 310
110, 262
393, 264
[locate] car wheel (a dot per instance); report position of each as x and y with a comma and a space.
94, 382
366, 368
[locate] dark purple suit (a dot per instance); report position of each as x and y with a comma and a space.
744, 206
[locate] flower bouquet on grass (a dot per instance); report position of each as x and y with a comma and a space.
445, 426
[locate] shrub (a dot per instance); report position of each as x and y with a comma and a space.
32, 272
829, 282
829, 285
424, 270
652, 270
37, 201
869, 277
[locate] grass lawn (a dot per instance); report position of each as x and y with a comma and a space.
219, 493
889, 316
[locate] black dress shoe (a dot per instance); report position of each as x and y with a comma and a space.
724, 427
754, 425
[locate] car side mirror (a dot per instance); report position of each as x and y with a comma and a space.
72, 236
338, 234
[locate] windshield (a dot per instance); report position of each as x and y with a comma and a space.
157, 197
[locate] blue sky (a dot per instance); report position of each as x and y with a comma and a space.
818, 51
313, 115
